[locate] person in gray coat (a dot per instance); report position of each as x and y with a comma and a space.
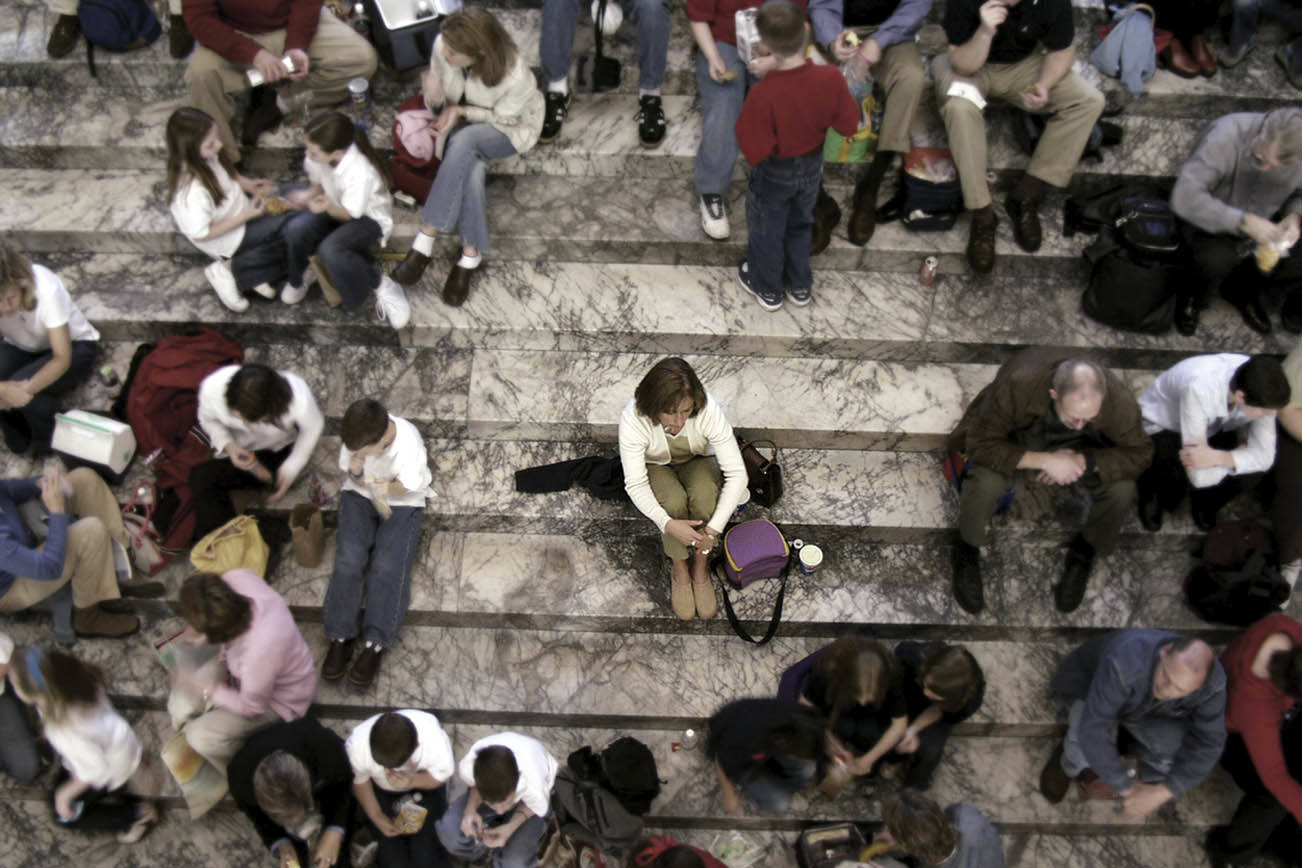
1166, 691
1238, 192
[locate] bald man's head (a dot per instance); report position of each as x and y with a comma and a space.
1182, 668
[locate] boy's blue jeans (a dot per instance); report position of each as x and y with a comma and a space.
780, 199
390, 546
519, 851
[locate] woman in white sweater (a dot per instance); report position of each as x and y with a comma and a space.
479, 87
104, 774
673, 442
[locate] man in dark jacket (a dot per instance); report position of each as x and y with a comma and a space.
1166, 691
1072, 422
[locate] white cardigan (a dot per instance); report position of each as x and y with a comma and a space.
642, 441
515, 105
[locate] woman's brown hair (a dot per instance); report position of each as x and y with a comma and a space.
16, 271
186, 130
854, 670
919, 826
476, 33
213, 608
56, 680
665, 386
331, 131
952, 673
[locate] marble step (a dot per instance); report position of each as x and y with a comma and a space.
597, 220
599, 139
678, 309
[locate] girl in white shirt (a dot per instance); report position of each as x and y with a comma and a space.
263, 426
475, 76
210, 203
673, 441
47, 349
345, 212
104, 774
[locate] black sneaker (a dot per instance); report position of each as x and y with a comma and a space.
558, 108
967, 577
650, 121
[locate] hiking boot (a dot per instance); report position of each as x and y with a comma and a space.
1026, 223
391, 303
707, 604
64, 36
1070, 590
1054, 782
714, 219
681, 598
981, 240
966, 559
410, 269
179, 41
363, 670
263, 116
558, 107
94, 622
826, 215
650, 121
336, 659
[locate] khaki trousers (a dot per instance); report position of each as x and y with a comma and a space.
88, 559
218, 734
336, 54
902, 79
687, 490
1073, 108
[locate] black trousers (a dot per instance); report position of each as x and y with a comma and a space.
1258, 814
213, 481
1215, 265
1166, 479
1286, 509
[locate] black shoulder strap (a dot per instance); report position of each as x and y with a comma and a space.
732, 615
596, 30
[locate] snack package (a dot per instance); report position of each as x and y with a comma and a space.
411, 816
748, 38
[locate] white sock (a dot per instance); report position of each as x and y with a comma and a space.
562, 86
468, 261
281, 104
641, 92
423, 244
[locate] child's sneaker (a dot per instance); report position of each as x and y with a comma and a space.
266, 290
391, 303
800, 297
743, 277
223, 283
714, 219
650, 121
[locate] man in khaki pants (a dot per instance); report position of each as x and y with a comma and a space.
78, 553
994, 52
65, 34
238, 35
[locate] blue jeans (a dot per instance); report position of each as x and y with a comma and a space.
261, 256
720, 106
1246, 19
771, 791
390, 546
457, 196
780, 221
560, 20
344, 249
34, 424
520, 850
1157, 741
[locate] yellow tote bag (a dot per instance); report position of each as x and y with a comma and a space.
235, 545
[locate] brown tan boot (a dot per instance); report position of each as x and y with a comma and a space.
707, 604
680, 596
95, 623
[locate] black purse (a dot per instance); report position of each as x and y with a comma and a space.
764, 476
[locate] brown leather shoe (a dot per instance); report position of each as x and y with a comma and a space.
863, 218
363, 670
981, 242
1026, 223
411, 268
1178, 61
94, 622
64, 36
457, 286
826, 215
179, 41
336, 660
1202, 55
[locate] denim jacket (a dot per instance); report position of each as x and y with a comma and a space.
17, 556
1114, 676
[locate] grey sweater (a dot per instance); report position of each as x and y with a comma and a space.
1221, 180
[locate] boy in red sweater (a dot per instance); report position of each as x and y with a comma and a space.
780, 132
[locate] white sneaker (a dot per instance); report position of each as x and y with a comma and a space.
714, 218
223, 282
293, 294
266, 290
391, 303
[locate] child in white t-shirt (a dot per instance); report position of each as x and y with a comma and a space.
210, 203
47, 349
380, 512
402, 759
346, 211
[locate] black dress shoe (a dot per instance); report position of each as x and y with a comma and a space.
457, 286
64, 36
1070, 590
179, 41
411, 268
263, 116
966, 559
363, 670
1150, 512
1186, 315
1254, 314
1054, 782
1026, 223
336, 659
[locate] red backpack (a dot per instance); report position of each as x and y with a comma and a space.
162, 408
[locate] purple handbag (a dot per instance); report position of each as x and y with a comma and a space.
754, 550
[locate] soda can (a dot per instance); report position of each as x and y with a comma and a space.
108, 376
359, 93
930, 266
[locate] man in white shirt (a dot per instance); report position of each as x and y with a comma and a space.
504, 812
1194, 412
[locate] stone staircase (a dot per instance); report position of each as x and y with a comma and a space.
549, 613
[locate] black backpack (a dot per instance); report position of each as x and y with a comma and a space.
1028, 127
588, 813
626, 768
1235, 581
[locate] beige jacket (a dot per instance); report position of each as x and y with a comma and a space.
515, 105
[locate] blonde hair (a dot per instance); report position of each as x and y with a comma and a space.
16, 271
476, 33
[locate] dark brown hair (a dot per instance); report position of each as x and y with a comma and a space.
665, 386
393, 740
258, 393
919, 826
186, 130
476, 33
16, 270
331, 131
854, 670
781, 26
952, 673
68, 681
1262, 381
496, 774
365, 422
212, 607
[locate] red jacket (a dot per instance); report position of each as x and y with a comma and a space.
1256, 708
221, 24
